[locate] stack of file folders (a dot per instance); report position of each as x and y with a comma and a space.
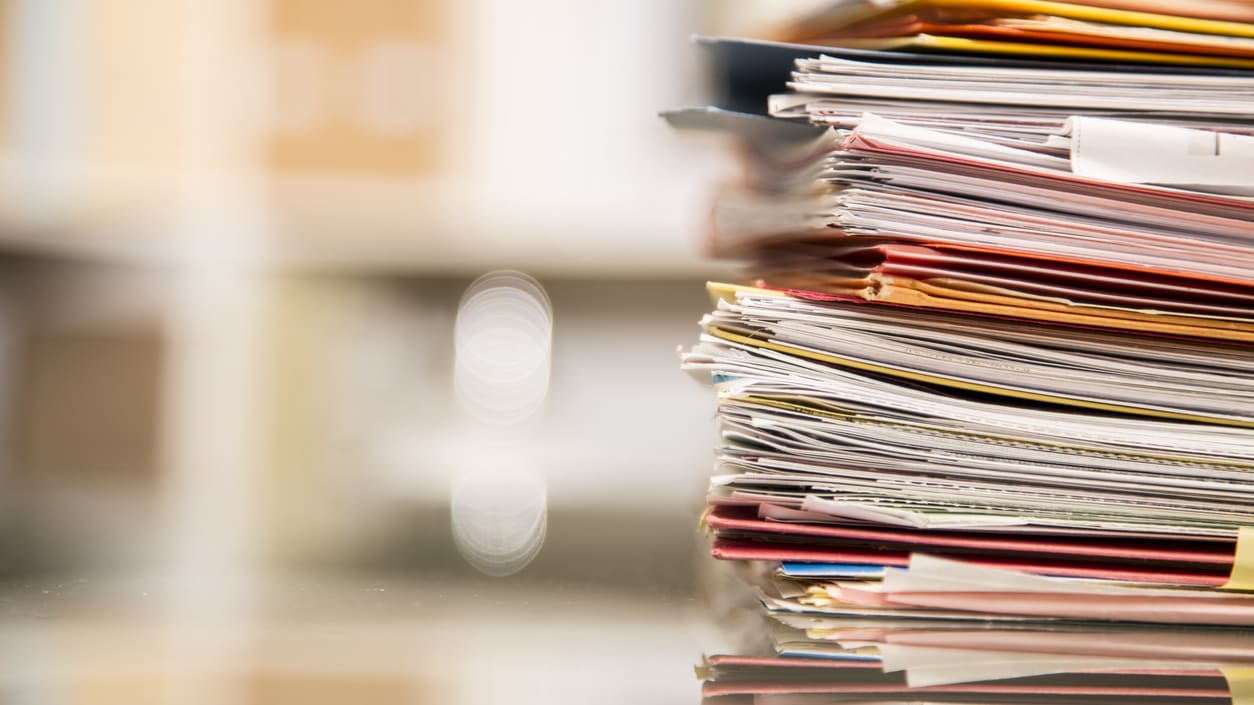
996, 364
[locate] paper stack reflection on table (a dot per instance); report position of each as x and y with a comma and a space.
987, 406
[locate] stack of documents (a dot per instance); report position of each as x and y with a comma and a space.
863, 444
997, 362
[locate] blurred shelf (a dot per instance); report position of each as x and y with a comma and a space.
374, 255
412, 138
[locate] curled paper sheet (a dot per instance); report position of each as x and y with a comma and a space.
1145, 153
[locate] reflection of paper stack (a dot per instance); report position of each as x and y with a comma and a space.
869, 660
997, 363
885, 660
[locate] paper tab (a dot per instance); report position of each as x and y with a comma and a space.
1242, 576
1240, 685
1142, 153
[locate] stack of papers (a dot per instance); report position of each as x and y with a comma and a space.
996, 365
876, 438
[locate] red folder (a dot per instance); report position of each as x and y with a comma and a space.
1207, 553
750, 550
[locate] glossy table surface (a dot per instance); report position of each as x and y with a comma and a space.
347, 639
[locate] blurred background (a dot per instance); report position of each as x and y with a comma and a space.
268, 434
